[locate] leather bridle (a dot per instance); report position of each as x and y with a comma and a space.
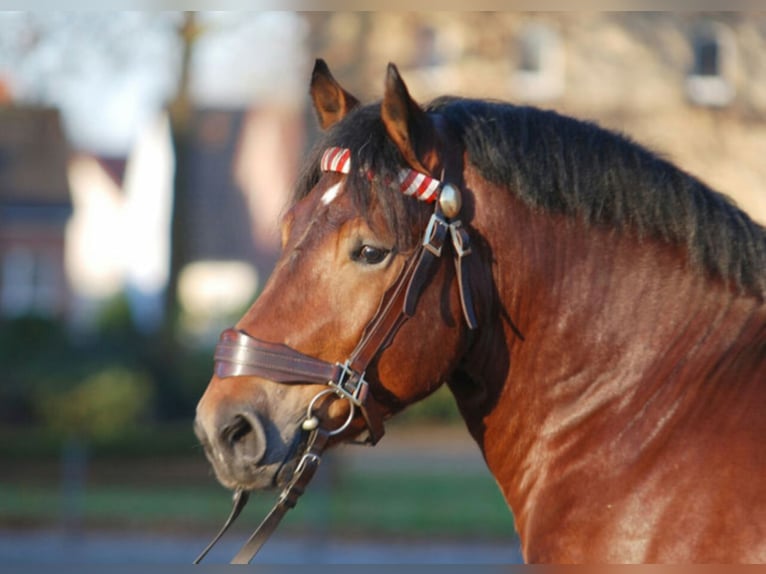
239, 354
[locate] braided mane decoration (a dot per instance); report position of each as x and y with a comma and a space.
411, 183
336, 159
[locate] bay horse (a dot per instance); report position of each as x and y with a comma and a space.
597, 313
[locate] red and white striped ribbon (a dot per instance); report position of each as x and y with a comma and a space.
411, 183
416, 184
336, 159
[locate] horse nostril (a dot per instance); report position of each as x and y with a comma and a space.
236, 430
244, 436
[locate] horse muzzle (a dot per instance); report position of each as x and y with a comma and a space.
243, 444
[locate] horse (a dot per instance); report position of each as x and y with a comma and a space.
597, 313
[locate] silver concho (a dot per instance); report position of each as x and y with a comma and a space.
450, 200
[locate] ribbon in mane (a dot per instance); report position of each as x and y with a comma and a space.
411, 183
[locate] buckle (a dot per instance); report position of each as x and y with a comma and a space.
350, 385
436, 232
460, 239
307, 459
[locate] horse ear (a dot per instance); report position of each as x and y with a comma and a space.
407, 124
331, 101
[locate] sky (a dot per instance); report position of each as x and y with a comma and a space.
110, 73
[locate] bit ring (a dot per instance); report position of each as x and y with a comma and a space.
311, 422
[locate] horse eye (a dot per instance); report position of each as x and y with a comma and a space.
370, 255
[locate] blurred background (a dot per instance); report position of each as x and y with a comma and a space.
145, 159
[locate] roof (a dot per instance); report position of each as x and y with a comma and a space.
33, 162
114, 167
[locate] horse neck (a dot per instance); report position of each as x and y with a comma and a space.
609, 322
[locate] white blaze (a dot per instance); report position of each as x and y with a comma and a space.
330, 195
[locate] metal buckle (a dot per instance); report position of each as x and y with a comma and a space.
307, 458
350, 385
289, 496
433, 240
459, 240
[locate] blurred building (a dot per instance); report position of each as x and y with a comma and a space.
239, 175
691, 86
78, 229
34, 207
241, 171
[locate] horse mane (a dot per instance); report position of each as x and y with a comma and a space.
561, 165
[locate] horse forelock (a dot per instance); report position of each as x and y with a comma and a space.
561, 165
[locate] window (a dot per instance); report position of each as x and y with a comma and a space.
711, 79
436, 46
539, 60
706, 57
17, 291
427, 51
531, 51
28, 283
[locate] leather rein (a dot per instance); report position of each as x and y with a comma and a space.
239, 354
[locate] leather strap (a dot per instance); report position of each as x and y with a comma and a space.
461, 243
389, 316
238, 354
303, 474
239, 502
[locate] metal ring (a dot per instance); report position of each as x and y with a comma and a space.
351, 412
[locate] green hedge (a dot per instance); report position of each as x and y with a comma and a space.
142, 441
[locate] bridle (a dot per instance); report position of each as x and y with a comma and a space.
239, 354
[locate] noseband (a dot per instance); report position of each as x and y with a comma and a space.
239, 354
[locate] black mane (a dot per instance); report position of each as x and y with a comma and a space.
560, 165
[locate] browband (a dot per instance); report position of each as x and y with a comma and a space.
411, 182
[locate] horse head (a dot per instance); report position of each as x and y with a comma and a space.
355, 298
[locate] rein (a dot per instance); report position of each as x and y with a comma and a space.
239, 354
